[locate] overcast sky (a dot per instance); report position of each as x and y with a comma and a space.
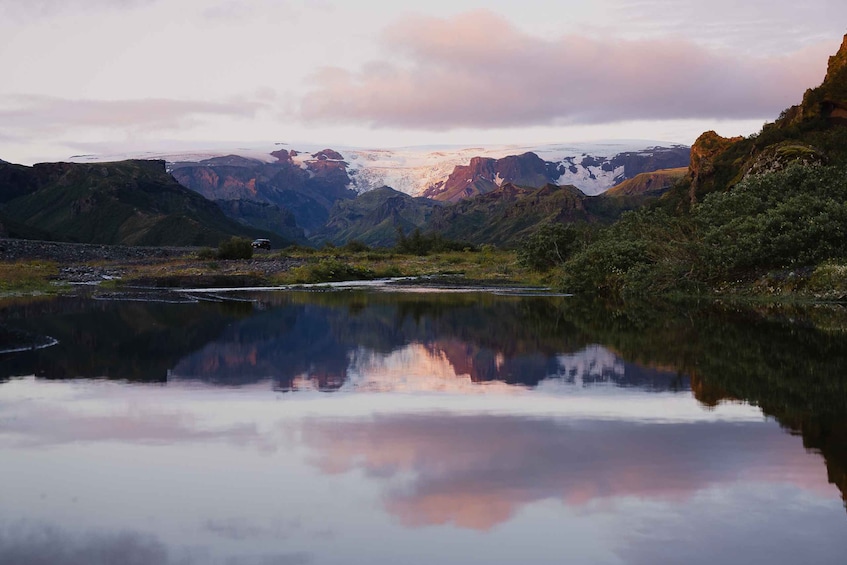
104, 76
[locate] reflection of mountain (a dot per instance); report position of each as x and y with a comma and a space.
386, 340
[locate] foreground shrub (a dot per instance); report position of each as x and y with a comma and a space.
331, 270
646, 252
550, 246
789, 218
235, 248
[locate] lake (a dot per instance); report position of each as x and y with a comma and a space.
419, 426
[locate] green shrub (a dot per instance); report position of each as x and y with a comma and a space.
551, 245
235, 248
646, 252
332, 270
207, 253
788, 218
419, 244
355, 246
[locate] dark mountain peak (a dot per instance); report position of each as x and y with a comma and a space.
328, 154
307, 191
283, 156
224, 161
484, 174
382, 192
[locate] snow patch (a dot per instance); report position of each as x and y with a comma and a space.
413, 170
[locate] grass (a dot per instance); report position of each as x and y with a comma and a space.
28, 277
329, 265
296, 266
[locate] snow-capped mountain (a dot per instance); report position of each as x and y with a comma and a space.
453, 173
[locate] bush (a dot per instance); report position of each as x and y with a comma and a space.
331, 270
789, 218
647, 252
792, 218
235, 248
419, 244
550, 246
207, 253
355, 246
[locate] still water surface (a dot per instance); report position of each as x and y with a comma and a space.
360, 427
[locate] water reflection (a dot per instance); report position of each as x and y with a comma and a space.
478, 471
235, 476
495, 422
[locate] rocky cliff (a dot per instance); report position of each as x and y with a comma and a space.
306, 187
811, 132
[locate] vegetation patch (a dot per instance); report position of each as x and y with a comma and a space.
28, 277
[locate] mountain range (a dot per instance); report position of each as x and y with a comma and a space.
322, 196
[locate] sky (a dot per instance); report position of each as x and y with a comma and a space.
110, 76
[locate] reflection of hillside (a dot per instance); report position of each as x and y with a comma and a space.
118, 340
786, 362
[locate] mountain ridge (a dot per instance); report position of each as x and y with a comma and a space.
130, 203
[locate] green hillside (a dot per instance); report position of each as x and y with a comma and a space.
374, 217
128, 203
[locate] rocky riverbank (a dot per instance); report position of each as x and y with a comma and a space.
67, 253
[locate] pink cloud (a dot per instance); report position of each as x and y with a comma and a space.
478, 70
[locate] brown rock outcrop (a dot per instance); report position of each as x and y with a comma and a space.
703, 154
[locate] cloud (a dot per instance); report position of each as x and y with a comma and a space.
39, 9
477, 70
46, 114
227, 11
478, 471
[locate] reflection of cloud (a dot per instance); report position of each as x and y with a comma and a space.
28, 544
245, 529
40, 544
723, 534
50, 425
478, 70
476, 471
